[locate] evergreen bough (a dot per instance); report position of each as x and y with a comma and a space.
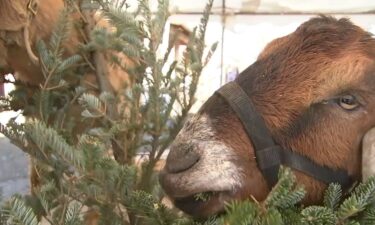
283, 206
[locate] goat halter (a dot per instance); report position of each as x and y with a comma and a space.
269, 155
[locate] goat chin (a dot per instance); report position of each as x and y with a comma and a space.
368, 154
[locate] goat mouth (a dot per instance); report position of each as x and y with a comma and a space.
204, 204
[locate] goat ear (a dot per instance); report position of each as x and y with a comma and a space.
368, 154
13, 15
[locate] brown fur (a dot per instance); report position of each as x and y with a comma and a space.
14, 15
288, 84
41, 27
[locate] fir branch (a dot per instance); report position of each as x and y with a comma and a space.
60, 33
72, 215
44, 136
362, 196
284, 194
241, 213
21, 214
368, 216
332, 196
317, 215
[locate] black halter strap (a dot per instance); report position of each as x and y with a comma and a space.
269, 155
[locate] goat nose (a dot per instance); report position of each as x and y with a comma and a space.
181, 157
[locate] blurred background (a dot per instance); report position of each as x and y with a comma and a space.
242, 28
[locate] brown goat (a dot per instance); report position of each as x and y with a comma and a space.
314, 88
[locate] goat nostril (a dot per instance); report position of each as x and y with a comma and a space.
181, 158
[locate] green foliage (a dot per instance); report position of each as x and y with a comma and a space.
332, 196
285, 194
241, 213
19, 213
282, 206
283, 198
83, 138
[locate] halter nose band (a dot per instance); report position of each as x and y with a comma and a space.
269, 155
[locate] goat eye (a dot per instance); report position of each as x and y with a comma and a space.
348, 102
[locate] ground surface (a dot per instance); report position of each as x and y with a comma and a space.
13, 169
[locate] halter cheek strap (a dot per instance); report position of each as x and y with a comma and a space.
269, 155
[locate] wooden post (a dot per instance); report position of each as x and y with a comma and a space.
2, 91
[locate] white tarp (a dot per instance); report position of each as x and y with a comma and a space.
315, 6
271, 6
